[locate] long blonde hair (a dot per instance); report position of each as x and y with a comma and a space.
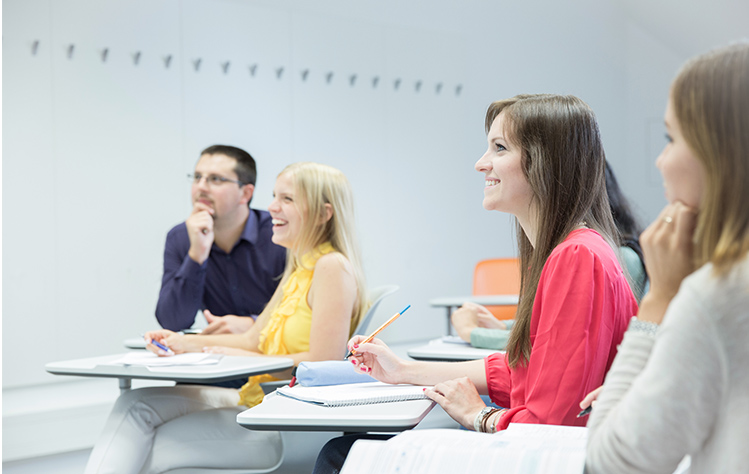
710, 97
316, 185
563, 160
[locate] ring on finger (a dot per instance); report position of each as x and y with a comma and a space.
668, 219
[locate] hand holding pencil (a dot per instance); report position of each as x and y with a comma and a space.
377, 331
376, 359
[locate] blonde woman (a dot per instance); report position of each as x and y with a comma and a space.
679, 385
319, 301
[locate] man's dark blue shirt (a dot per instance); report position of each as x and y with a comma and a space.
240, 282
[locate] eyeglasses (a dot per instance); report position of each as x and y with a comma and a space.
212, 180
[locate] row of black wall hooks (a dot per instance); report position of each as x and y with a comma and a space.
253, 69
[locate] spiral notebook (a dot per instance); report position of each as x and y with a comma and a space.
354, 394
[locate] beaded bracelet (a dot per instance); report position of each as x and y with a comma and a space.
646, 327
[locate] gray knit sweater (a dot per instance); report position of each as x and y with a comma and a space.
684, 391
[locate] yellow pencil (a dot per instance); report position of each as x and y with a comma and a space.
384, 325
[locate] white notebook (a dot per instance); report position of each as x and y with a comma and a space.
521, 449
354, 393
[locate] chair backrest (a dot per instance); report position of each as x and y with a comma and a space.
376, 295
498, 276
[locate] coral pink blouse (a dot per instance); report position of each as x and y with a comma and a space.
582, 308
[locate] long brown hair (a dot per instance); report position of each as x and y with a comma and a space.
563, 161
710, 97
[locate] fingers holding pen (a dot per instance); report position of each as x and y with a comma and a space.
156, 342
590, 398
163, 341
587, 403
376, 359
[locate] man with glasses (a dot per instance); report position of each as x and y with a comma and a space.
221, 259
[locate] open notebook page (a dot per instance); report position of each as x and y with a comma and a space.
540, 449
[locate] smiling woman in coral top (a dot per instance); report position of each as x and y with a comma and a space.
545, 166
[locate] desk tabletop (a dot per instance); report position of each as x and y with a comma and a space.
134, 343
282, 413
228, 368
140, 343
440, 350
485, 300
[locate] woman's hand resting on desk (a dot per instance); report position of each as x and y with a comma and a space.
376, 359
471, 316
459, 398
178, 343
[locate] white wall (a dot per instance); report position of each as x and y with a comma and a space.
96, 152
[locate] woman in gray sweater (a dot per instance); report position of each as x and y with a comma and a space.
680, 382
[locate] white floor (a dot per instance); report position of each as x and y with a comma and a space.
66, 463
75, 462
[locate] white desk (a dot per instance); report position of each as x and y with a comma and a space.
438, 350
228, 368
282, 413
140, 343
134, 343
450, 302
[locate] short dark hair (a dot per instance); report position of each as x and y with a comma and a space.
245, 167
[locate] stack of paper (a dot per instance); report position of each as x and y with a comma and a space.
521, 449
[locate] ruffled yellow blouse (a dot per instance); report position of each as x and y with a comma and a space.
288, 329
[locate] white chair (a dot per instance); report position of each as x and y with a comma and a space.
376, 295
306, 445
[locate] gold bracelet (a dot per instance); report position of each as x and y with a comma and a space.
478, 420
486, 417
493, 426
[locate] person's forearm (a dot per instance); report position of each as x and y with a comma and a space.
495, 339
430, 373
173, 313
239, 341
180, 295
653, 307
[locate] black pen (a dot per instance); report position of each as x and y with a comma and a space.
586, 411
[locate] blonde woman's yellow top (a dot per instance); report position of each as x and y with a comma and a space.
288, 329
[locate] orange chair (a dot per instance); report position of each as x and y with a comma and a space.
498, 276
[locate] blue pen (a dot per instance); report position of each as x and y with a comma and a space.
161, 346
